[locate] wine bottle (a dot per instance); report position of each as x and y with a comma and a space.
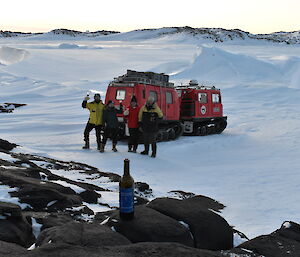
126, 194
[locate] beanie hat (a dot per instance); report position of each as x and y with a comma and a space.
110, 102
97, 95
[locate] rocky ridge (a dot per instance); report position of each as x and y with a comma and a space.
67, 32
223, 35
212, 34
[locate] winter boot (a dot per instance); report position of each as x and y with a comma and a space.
129, 148
146, 151
134, 148
86, 145
153, 146
102, 146
114, 147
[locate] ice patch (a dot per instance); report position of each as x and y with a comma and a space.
6, 197
31, 247
76, 188
7, 157
9, 55
36, 227
237, 239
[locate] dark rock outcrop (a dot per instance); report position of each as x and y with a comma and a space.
81, 234
210, 230
11, 250
39, 194
151, 226
5, 145
149, 249
14, 227
89, 196
283, 242
55, 219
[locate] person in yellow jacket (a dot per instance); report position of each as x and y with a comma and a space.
149, 116
95, 121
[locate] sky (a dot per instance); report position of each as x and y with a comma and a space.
254, 16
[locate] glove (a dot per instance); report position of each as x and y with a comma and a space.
86, 98
126, 112
140, 126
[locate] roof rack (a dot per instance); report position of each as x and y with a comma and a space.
196, 87
151, 78
193, 84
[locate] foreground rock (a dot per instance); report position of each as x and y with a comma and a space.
40, 196
11, 250
282, 242
81, 234
14, 227
133, 250
209, 230
151, 226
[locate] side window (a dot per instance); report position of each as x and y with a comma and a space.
169, 98
202, 98
120, 94
154, 95
179, 92
215, 98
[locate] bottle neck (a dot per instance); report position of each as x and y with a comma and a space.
126, 167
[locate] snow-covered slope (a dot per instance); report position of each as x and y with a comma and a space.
252, 167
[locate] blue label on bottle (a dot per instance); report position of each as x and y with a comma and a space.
126, 200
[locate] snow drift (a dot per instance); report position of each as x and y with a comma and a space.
216, 65
9, 55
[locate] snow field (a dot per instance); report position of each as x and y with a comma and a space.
252, 167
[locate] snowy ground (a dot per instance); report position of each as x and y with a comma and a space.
252, 167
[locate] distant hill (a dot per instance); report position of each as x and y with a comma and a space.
16, 34
67, 32
222, 35
213, 34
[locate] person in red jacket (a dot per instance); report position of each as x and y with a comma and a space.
132, 115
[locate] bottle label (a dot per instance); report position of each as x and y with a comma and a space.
126, 200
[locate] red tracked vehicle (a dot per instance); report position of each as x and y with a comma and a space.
183, 106
201, 109
143, 85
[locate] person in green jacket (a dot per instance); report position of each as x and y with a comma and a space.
111, 124
95, 120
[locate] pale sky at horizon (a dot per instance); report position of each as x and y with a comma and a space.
256, 16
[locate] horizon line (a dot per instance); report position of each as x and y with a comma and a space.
88, 31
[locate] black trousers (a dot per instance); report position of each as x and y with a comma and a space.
133, 137
111, 133
150, 138
88, 128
